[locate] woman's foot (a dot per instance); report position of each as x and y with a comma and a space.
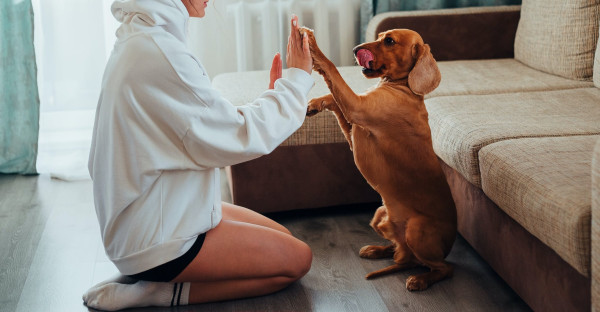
121, 293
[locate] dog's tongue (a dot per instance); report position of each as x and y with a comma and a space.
364, 58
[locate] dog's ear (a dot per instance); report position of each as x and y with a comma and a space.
425, 75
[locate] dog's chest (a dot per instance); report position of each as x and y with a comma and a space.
367, 156
363, 141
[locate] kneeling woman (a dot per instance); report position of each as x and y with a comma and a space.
160, 135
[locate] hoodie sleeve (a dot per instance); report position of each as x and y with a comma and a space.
223, 134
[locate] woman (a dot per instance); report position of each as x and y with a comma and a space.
160, 135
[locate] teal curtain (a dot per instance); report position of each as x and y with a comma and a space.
19, 98
370, 8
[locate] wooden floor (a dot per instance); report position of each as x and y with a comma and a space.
50, 253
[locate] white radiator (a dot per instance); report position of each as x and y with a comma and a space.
244, 35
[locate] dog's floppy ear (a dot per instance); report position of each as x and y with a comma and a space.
425, 75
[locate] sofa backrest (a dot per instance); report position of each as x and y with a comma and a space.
559, 36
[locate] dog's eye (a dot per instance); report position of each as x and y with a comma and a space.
389, 41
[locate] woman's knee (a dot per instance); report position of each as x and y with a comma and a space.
302, 261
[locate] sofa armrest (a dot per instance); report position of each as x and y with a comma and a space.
596, 228
459, 33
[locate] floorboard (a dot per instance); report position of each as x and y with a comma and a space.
51, 252
23, 215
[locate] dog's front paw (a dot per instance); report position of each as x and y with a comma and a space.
319, 59
315, 106
312, 42
309, 32
416, 283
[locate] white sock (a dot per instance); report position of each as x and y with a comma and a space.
119, 278
112, 295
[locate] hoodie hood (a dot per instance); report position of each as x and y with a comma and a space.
171, 15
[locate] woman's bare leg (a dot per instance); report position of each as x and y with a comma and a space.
246, 255
241, 214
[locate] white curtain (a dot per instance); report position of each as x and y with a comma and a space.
74, 38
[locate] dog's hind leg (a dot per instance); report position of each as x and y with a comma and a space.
404, 260
428, 248
439, 271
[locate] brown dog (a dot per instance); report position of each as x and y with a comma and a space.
388, 131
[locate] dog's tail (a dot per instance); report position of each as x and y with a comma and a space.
391, 269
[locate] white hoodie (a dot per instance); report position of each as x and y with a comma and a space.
161, 132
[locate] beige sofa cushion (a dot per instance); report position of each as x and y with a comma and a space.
497, 76
558, 36
544, 184
462, 125
458, 78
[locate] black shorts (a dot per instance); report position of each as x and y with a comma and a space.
168, 271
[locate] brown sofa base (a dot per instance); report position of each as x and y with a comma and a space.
533, 270
300, 177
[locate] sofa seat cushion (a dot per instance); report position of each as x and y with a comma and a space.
497, 76
462, 125
558, 36
544, 184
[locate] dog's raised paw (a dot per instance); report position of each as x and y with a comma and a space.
319, 59
311, 112
305, 29
315, 106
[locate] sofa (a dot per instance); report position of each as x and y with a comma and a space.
515, 123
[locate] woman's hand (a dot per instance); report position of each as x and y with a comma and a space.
298, 53
276, 69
